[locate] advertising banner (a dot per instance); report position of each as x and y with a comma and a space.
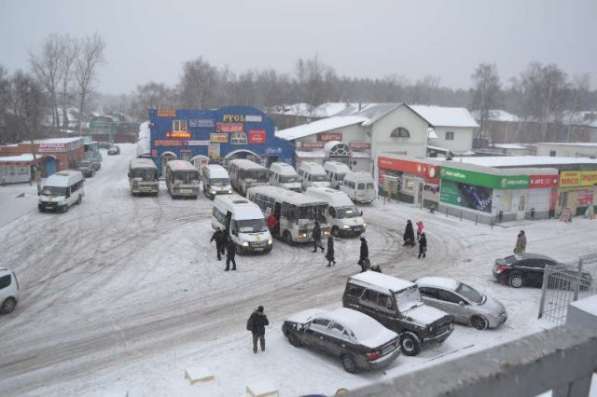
218, 138
201, 123
51, 147
485, 180
474, 197
238, 138
578, 178
253, 118
229, 127
584, 198
330, 136
166, 142
543, 181
198, 143
179, 134
257, 137
213, 151
166, 112
312, 145
427, 171
359, 146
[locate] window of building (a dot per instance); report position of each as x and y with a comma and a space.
449, 135
552, 153
179, 125
400, 132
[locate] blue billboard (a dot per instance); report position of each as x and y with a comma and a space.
216, 135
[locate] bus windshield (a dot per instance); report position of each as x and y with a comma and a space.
251, 226
186, 176
347, 212
53, 191
289, 179
146, 174
319, 178
257, 175
219, 181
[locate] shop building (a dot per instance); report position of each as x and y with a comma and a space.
17, 169
568, 149
52, 155
219, 135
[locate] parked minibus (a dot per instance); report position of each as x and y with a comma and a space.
215, 180
61, 191
336, 172
143, 177
182, 179
359, 186
246, 173
313, 174
344, 218
284, 175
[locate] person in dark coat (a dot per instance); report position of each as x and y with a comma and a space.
316, 234
230, 254
364, 255
422, 245
256, 324
409, 235
330, 254
220, 238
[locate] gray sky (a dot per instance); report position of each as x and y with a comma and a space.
149, 40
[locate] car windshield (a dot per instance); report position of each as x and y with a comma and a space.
53, 191
258, 175
347, 212
186, 176
408, 298
219, 181
251, 226
469, 293
340, 177
289, 179
319, 178
147, 174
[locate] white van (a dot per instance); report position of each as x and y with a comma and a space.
61, 191
313, 174
9, 291
246, 173
243, 222
336, 172
359, 186
215, 180
342, 215
284, 175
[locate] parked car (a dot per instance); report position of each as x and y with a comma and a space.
527, 270
466, 304
359, 341
9, 291
397, 304
86, 167
113, 150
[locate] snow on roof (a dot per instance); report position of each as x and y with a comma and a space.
283, 168
440, 116
247, 164
142, 163
498, 115
360, 176
336, 166
312, 154
570, 144
22, 157
286, 196
217, 171
368, 331
318, 126
181, 165
519, 161
242, 208
56, 140
381, 282
517, 146
312, 168
335, 198
439, 282
585, 118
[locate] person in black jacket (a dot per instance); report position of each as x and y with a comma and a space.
256, 324
230, 254
220, 237
317, 237
330, 254
422, 245
409, 235
364, 255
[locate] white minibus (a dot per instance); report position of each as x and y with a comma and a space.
342, 215
215, 180
284, 175
182, 179
246, 173
312, 174
336, 172
61, 191
143, 177
359, 186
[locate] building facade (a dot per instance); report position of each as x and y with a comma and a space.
219, 135
568, 149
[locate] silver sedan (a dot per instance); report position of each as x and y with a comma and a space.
468, 305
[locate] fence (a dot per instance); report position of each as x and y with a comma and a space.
566, 283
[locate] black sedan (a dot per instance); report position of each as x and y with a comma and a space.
359, 341
528, 269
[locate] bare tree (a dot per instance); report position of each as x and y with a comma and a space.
198, 84
91, 54
151, 95
486, 92
70, 53
4, 105
47, 68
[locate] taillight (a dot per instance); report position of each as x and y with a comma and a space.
501, 268
373, 356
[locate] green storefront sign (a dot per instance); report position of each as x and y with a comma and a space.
486, 180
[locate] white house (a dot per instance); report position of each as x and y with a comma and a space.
567, 149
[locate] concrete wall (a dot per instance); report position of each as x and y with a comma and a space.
462, 142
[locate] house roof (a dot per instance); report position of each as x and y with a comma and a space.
318, 126
439, 116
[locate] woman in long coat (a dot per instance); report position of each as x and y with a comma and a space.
409, 234
330, 254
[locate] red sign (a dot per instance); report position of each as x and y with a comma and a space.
542, 181
154, 153
229, 127
428, 171
166, 112
164, 142
312, 145
359, 146
257, 137
51, 147
330, 136
584, 198
179, 134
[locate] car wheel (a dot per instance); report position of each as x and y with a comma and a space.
515, 280
479, 322
79, 199
348, 363
410, 345
294, 340
8, 306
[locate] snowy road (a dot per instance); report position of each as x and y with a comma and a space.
120, 281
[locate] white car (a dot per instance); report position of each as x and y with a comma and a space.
9, 291
466, 304
61, 191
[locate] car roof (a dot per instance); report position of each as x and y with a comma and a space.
533, 256
181, 165
359, 176
380, 282
335, 198
438, 282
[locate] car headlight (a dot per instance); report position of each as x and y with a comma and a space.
212, 191
269, 242
364, 224
345, 227
245, 243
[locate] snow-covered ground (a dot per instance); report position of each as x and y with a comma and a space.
122, 293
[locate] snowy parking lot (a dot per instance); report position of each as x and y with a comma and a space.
121, 294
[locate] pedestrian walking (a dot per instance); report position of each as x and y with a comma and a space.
409, 235
219, 237
330, 254
256, 324
521, 243
316, 234
364, 255
420, 228
422, 246
230, 254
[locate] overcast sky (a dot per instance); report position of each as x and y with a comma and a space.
148, 40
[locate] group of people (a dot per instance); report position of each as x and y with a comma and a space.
409, 237
225, 245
